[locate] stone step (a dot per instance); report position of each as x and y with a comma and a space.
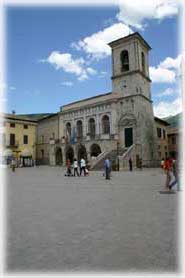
112, 155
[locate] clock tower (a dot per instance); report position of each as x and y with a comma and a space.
130, 70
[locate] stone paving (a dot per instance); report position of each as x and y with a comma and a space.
57, 223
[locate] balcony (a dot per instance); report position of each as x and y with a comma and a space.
13, 144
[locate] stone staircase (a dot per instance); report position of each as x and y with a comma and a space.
112, 155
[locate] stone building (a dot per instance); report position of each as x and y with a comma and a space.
162, 138
173, 142
18, 137
47, 138
113, 124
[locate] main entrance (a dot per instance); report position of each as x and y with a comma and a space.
70, 154
128, 137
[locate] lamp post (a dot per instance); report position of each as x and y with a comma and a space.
117, 155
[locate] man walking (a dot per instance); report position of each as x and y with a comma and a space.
130, 164
82, 166
75, 166
107, 169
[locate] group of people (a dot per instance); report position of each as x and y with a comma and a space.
169, 166
73, 169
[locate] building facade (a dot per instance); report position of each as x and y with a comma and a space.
113, 122
162, 138
18, 137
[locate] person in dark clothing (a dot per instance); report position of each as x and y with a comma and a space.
107, 169
130, 164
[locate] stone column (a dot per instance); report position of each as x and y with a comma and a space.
97, 124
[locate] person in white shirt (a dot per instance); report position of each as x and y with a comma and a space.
82, 166
75, 166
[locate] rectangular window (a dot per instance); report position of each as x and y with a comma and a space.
42, 139
159, 132
25, 126
164, 134
12, 125
25, 139
12, 139
173, 140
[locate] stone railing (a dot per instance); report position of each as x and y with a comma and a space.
123, 159
98, 158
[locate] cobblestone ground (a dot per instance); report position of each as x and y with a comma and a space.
57, 223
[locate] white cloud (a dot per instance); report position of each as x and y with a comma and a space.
168, 108
166, 71
68, 64
168, 92
67, 83
171, 63
133, 13
162, 75
96, 45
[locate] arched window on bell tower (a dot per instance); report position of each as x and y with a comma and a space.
143, 61
124, 57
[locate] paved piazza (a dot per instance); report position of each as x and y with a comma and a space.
58, 223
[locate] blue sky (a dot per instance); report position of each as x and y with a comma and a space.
59, 55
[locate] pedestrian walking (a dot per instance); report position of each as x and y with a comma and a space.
75, 166
175, 180
82, 166
68, 166
168, 172
13, 165
162, 164
130, 164
107, 169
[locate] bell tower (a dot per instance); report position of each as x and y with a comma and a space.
130, 66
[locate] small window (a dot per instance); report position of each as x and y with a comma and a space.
124, 57
12, 139
25, 126
164, 134
143, 61
42, 139
12, 125
173, 140
25, 139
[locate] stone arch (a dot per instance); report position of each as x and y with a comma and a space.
127, 129
124, 57
81, 152
69, 154
143, 61
68, 130
58, 156
79, 129
127, 119
95, 150
92, 127
105, 122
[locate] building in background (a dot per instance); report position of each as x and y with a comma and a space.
162, 138
18, 138
119, 124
